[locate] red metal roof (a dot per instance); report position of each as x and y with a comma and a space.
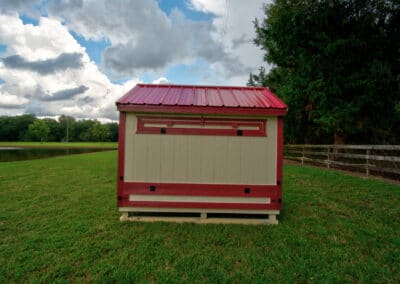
201, 99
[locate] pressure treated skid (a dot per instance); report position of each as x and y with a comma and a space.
253, 217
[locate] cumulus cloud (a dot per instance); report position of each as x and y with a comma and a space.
75, 87
128, 58
66, 94
143, 37
46, 71
39, 109
209, 6
7, 6
233, 24
161, 80
44, 67
243, 39
11, 101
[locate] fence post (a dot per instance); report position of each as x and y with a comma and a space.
302, 158
367, 159
327, 156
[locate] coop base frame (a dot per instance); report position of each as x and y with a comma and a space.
155, 214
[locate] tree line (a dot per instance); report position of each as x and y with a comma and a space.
65, 129
336, 64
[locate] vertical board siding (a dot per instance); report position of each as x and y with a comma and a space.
220, 159
194, 159
180, 165
200, 159
234, 160
153, 166
167, 155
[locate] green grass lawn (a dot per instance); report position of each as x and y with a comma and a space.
110, 145
59, 223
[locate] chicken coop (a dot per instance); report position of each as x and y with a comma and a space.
205, 151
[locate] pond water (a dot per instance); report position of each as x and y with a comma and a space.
8, 154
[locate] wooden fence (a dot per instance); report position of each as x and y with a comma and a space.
371, 159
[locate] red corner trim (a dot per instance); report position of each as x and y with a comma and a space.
279, 158
279, 151
121, 153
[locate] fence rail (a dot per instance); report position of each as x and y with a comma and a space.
371, 159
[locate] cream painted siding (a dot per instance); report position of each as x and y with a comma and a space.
200, 158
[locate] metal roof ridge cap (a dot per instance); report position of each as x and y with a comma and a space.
200, 86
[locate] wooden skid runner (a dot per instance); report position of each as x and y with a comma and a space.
201, 217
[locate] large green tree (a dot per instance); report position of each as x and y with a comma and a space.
336, 64
13, 128
38, 131
56, 130
100, 132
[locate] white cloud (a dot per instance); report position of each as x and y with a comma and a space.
143, 37
235, 28
216, 7
25, 6
83, 92
11, 101
161, 80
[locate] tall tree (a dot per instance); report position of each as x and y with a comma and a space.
38, 130
14, 128
337, 65
82, 130
100, 132
56, 130
113, 127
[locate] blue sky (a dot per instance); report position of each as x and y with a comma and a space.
115, 44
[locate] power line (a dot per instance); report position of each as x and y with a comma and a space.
225, 19
227, 16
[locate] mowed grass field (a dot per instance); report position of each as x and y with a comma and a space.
59, 223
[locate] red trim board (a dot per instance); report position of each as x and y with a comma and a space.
212, 126
193, 189
223, 190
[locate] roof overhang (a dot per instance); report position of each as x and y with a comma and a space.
201, 110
